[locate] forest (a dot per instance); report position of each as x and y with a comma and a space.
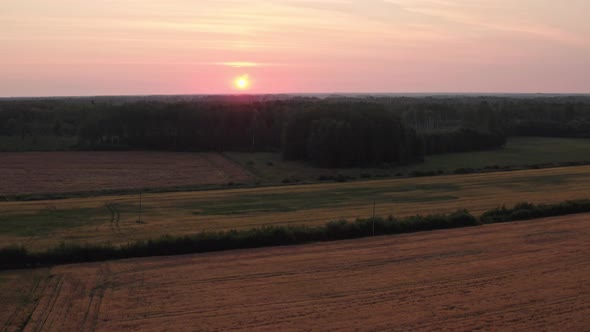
336, 131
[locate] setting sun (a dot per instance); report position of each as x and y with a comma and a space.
242, 82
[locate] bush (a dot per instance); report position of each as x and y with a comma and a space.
19, 257
337, 178
464, 171
423, 173
344, 178
291, 179
525, 210
14, 256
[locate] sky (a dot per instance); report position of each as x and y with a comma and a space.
121, 47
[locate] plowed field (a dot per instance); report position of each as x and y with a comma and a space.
524, 276
59, 172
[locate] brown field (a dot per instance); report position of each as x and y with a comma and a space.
20, 290
59, 172
524, 276
42, 224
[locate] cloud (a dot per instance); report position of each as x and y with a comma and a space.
499, 16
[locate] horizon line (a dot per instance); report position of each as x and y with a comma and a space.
299, 94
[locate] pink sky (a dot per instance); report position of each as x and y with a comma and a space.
105, 47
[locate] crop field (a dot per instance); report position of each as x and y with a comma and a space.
116, 219
523, 276
59, 172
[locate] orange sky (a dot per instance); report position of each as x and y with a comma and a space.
76, 47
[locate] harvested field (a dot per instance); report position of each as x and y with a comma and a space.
523, 276
114, 219
19, 293
60, 172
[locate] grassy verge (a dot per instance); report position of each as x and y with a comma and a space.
19, 257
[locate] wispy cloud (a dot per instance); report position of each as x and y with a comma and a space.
370, 43
495, 16
245, 64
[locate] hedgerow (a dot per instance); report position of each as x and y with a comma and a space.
19, 257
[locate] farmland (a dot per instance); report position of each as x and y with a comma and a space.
518, 152
95, 173
115, 219
523, 276
20, 293
60, 172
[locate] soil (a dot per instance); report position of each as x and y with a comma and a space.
60, 172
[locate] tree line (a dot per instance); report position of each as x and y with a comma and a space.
335, 131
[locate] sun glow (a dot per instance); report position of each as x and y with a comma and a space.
242, 82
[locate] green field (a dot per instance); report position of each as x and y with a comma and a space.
518, 152
37, 143
115, 219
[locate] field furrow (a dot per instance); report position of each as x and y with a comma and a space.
524, 275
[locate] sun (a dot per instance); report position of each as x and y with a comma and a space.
242, 82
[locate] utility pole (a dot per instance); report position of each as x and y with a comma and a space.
373, 219
254, 123
139, 214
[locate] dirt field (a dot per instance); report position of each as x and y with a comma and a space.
58, 172
19, 294
525, 276
42, 224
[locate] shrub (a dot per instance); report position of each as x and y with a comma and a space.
344, 178
524, 211
14, 256
423, 173
19, 257
464, 171
292, 179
